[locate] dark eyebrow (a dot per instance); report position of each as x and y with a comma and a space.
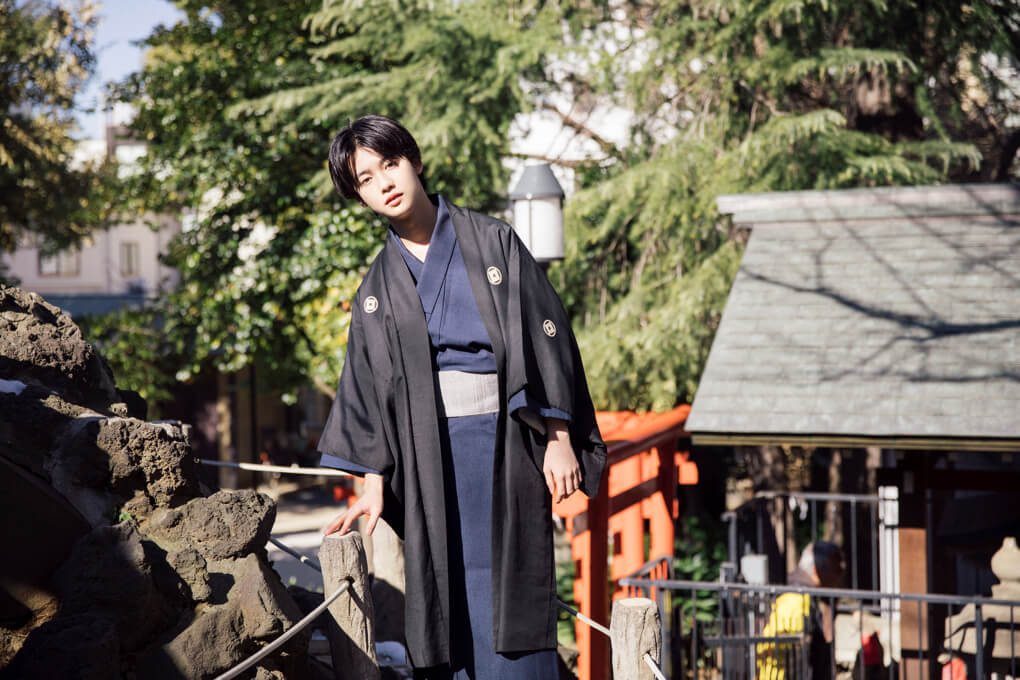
384, 159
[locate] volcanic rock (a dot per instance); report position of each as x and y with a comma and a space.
191, 567
225, 524
40, 345
78, 647
135, 574
110, 572
257, 609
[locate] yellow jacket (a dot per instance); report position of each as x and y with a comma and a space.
788, 616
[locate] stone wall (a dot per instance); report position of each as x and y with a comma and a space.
116, 562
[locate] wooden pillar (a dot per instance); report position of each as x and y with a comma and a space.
917, 663
590, 589
351, 632
240, 424
580, 552
233, 429
626, 523
659, 507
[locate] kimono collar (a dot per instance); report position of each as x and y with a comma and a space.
430, 274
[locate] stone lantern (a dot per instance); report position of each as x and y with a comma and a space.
1000, 629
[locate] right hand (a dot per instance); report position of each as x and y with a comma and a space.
370, 504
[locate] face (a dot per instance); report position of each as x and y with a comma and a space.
389, 186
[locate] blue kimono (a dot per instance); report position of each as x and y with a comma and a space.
471, 449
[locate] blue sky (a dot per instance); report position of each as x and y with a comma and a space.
122, 23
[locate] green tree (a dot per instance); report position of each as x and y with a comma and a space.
761, 95
139, 354
45, 59
238, 103
453, 72
245, 188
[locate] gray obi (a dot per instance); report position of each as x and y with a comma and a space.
459, 393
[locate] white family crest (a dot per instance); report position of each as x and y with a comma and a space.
495, 276
371, 304
549, 327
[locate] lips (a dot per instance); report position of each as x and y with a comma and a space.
393, 200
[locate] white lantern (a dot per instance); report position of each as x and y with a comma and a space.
538, 212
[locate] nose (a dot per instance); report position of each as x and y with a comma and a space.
386, 182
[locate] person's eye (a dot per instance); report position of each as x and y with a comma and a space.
365, 180
392, 163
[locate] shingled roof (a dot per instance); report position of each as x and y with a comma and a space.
870, 316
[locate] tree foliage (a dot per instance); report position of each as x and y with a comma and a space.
45, 59
239, 101
245, 186
452, 72
238, 104
133, 344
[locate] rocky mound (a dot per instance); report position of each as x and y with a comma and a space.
117, 565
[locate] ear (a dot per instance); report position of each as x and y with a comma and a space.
418, 167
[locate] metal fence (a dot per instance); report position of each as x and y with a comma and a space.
735, 630
870, 519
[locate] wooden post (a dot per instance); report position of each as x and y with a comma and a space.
635, 632
351, 635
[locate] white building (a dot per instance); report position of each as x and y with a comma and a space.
111, 268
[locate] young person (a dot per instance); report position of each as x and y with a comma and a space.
464, 403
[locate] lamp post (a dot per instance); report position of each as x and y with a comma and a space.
538, 213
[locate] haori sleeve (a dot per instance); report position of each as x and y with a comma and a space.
530, 410
353, 438
552, 368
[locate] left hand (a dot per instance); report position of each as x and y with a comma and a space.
562, 473
369, 504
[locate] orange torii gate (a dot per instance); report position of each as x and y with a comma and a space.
648, 457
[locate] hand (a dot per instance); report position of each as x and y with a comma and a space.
370, 504
562, 473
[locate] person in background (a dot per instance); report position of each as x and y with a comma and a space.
799, 614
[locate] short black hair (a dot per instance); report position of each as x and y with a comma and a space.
385, 136
826, 559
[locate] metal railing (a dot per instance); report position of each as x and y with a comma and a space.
778, 632
870, 518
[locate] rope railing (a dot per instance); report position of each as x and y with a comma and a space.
563, 605
656, 671
295, 554
282, 640
654, 667
584, 619
283, 469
